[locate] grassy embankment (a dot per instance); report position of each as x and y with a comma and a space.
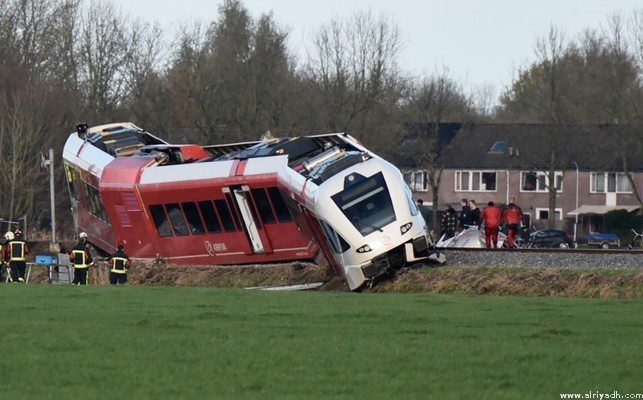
142, 342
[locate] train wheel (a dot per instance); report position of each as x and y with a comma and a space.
397, 260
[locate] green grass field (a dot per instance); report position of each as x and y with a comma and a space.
138, 342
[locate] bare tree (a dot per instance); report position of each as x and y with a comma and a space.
354, 63
621, 102
235, 79
32, 101
543, 94
101, 57
145, 54
433, 101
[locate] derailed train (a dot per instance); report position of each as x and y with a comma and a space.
252, 202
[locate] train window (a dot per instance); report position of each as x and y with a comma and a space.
226, 217
79, 186
283, 215
160, 220
193, 217
263, 205
232, 213
176, 219
70, 181
252, 208
336, 241
210, 216
409, 200
366, 203
100, 208
93, 202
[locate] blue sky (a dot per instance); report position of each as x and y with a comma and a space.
481, 42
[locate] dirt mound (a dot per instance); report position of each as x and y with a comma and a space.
518, 282
229, 276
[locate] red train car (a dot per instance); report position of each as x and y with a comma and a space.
177, 202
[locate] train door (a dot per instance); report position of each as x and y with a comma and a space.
240, 197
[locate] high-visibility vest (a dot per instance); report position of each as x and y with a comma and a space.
119, 265
17, 249
80, 259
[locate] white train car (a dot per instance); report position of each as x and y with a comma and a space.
361, 210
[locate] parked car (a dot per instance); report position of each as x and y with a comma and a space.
603, 240
549, 238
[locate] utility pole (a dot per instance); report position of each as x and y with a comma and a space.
576, 216
48, 163
52, 196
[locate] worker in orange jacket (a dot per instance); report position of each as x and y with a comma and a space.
512, 217
491, 218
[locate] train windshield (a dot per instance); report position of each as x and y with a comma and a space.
366, 203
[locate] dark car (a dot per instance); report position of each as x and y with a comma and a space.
550, 238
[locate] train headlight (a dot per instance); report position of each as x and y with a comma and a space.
406, 227
364, 249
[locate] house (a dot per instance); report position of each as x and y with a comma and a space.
490, 162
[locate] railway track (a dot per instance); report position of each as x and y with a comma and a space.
546, 258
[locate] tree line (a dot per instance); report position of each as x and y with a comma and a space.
233, 78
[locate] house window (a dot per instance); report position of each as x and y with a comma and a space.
499, 147
543, 213
536, 181
417, 180
610, 182
475, 181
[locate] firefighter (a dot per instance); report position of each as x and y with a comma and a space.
17, 250
81, 258
120, 263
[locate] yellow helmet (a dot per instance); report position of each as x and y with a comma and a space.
9, 235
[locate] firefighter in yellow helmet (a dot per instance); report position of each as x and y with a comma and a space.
82, 260
120, 264
17, 251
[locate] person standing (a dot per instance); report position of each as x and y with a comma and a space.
475, 212
491, 218
120, 263
18, 250
449, 223
513, 217
465, 214
424, 210
81, 258
3, 256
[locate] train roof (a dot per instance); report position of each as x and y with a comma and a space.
304, 153
119, 139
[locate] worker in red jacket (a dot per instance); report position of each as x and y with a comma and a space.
512, 217
491, 218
